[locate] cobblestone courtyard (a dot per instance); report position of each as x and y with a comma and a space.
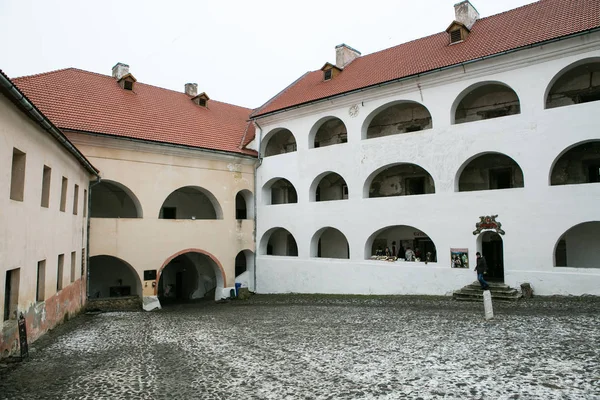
320, 347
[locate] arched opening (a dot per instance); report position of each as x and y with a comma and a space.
113, 200
579, 247
407, 243
485, 101
244, 205
399, 180
397, 118
491, 247
579, 164
191, 202
578, 83
279, 141
328, 186
279, 191
329, 243
189, 276
244, 264
328, 131
112, 277
278, 242
490, 171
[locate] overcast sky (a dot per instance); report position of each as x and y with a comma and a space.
239, 52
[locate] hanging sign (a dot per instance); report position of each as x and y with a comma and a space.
488, 222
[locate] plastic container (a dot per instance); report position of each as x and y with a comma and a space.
237, 288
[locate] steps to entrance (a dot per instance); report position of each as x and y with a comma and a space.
499, 291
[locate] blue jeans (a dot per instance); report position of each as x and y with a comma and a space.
484, 284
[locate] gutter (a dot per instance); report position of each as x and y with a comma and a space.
257, 165
405, 78
21, 100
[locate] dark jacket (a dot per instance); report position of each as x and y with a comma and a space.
481, 265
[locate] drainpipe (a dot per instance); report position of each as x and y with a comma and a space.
255, 193
87, 248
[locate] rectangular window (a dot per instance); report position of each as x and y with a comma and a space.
73, 261
17, 177
41, 281
82, 262
46, 186
59, 272
63, 194
75, 199
11, 293
85, 201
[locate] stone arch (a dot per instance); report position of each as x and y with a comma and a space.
397, 117
215, 264
401, 237
576, 83
579, 246
485, 100
112, 276
278, 241
326, 132
244, 205
278, 141
329, 242
112, 199
279, 191
328, 186
191, 202
489, 171
398, 179
577, 164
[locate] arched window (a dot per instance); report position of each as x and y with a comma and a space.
396, 118
111, 199
278, 242
279, 191
485, 101
244, 205
328, 131
490, 171
112, 277
578, 247
191, 202
402, 241
579, 164
399, 180
279, 141
328, 186
329, 243
576, 84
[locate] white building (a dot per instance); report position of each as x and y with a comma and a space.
410, 146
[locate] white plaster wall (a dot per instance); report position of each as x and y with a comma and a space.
534, 217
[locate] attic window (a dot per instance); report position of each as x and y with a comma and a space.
327, 75
455, 36
202, 99
127, 85
202, 102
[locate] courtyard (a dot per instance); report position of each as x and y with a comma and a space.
320, 347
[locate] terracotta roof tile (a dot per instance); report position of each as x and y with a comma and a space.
85, 101
523, 26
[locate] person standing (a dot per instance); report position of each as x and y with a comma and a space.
481, 268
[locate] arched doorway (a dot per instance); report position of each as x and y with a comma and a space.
244, 205
278, 242
491, 246
189, 276
112, 277
244, 264
329, 242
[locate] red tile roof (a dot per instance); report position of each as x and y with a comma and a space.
85, 101
514, 29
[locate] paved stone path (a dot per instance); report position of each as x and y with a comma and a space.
320, 347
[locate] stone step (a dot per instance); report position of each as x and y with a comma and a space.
499, 291
480, 298
469, 289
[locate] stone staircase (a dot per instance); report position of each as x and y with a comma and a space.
500, 292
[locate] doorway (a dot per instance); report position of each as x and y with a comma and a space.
11, 294
492, 248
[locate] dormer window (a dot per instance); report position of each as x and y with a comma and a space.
127, 81
128, 85
455, 36
458, 32
202, 99
327, 75
330, 71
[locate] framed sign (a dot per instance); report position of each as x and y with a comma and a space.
459, 258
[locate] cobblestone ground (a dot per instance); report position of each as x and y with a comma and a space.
320, 347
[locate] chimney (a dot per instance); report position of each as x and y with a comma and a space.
120, 70
344, 55
191, 89
465, 13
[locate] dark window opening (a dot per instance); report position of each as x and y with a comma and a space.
269, 250
500, 112
414, 128
588, 97
327, 75
150, 275
455, 36
317, 144
292, 247
501, 178
319, 248
240, 264
128, 85
415, 185
561, 253
318, 194
594, 172
169, 212
202, 102
343, 138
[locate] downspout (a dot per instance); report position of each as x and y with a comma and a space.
87, 248
257, 165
